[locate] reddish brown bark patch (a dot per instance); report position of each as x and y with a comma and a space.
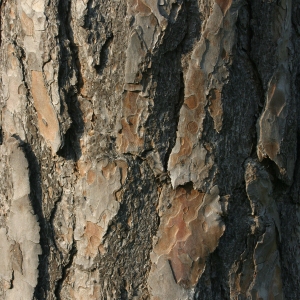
192, 127
93, 236
142, 8
47, 118
27, 24
185, 151
91, 176
190, 230
128, 139
224, 5
191, 102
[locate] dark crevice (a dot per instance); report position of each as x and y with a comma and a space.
182, 282
193, 22
125, 241
104, 55
180, 99
167, 56
238, 221
167, 73
236, 239
188, 186
289, 248
145, 153
254, 66
174, 12
71, 149
123, 291
89, 14
162, 11
245, 45
65, 273
21, 55
1, 136
51, 220
271, 167
296, 18
267, 162
177, 117
295, 187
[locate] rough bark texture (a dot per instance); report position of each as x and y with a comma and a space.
150, 149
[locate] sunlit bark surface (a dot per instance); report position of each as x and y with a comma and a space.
150, 149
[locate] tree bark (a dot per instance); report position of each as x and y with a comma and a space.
150, 149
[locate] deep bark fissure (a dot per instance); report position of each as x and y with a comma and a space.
118, 227
253, 63
71, 148
178, 106
104, 55
65, 269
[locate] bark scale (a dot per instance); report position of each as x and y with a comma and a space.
150, 149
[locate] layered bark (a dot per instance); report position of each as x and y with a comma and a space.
150, 149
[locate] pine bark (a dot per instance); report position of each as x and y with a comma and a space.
150, 149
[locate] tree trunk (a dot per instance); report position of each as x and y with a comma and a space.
150, 149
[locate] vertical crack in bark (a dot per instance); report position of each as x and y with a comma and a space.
246, 48
65, 269
178, 106
289, 206
191, 34
104, 55
170, 51
258, 77
253, 63
71, 149
130, 233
